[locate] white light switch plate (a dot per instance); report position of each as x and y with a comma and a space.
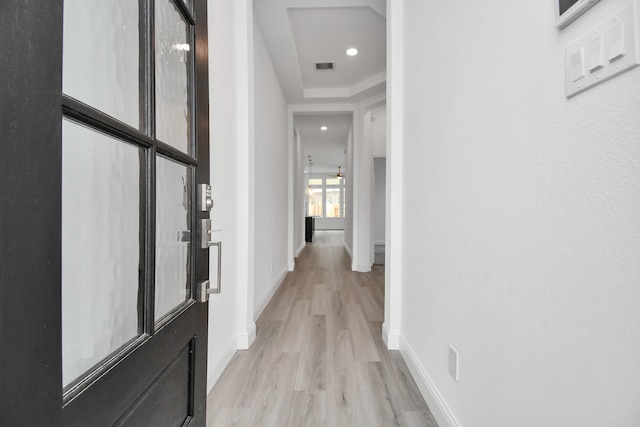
618, 34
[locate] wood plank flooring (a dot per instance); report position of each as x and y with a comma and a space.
318, 359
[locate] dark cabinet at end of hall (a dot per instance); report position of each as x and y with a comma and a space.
309, 228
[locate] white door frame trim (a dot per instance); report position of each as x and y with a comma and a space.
395, 202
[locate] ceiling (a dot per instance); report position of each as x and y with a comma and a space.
299, 33
326, 148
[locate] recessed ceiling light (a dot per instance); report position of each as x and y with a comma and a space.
324, 128
352, 51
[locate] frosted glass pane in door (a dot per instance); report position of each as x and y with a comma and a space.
100, 247
101, 56
173, 77
173, 235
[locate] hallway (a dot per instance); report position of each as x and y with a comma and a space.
318, 358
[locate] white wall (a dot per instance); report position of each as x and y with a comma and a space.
379, 173
298, 196
379, 199
362, 259
522, 249
329, 224
348, 213
231, 323
379, 130
361, 205
271, 178
395, 175
223, 323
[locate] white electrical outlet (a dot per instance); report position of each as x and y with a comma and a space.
453, 363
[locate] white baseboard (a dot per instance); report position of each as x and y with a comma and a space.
274, 287
391, 340
218, 366
361, 268
299, 251
348, 249
246, 339
436, 403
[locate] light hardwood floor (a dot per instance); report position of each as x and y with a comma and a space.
318, 359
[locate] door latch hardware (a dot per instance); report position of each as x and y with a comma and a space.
205, 289
205, 201
206, 234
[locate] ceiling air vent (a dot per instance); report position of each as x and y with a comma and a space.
324, 66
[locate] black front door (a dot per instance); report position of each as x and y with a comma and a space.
104, 133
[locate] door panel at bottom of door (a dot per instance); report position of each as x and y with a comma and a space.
166, 402
160, 370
